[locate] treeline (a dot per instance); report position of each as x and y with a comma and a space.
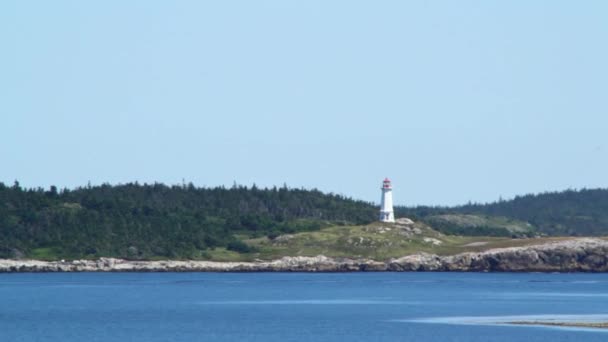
571, 213
159, 221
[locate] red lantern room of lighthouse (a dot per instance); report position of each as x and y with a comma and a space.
386, 184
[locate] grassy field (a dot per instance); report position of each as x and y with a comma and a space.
480, 225
379, 241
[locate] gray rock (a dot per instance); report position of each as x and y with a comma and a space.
575, 255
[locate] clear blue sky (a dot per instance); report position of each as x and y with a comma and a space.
453, 100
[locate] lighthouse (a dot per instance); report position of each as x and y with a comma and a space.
386, 203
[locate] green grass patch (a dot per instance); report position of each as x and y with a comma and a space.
223, 254
379, 241
45, 253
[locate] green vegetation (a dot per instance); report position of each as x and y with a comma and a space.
567, 213
477, 225
378, 241
157, 221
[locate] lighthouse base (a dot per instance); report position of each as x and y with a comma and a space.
387, 216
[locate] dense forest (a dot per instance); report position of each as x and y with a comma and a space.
147, 221
571, 212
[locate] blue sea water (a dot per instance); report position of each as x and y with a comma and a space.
298, 306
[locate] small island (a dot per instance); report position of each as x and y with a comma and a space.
155, 227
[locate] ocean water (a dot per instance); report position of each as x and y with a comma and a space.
298, 306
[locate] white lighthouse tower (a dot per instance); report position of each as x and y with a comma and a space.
386, 203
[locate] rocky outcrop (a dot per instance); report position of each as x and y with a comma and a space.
576, 255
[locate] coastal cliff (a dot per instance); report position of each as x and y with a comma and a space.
574, 255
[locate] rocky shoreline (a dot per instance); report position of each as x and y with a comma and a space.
574, 255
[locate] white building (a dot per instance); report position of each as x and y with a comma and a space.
386, 203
